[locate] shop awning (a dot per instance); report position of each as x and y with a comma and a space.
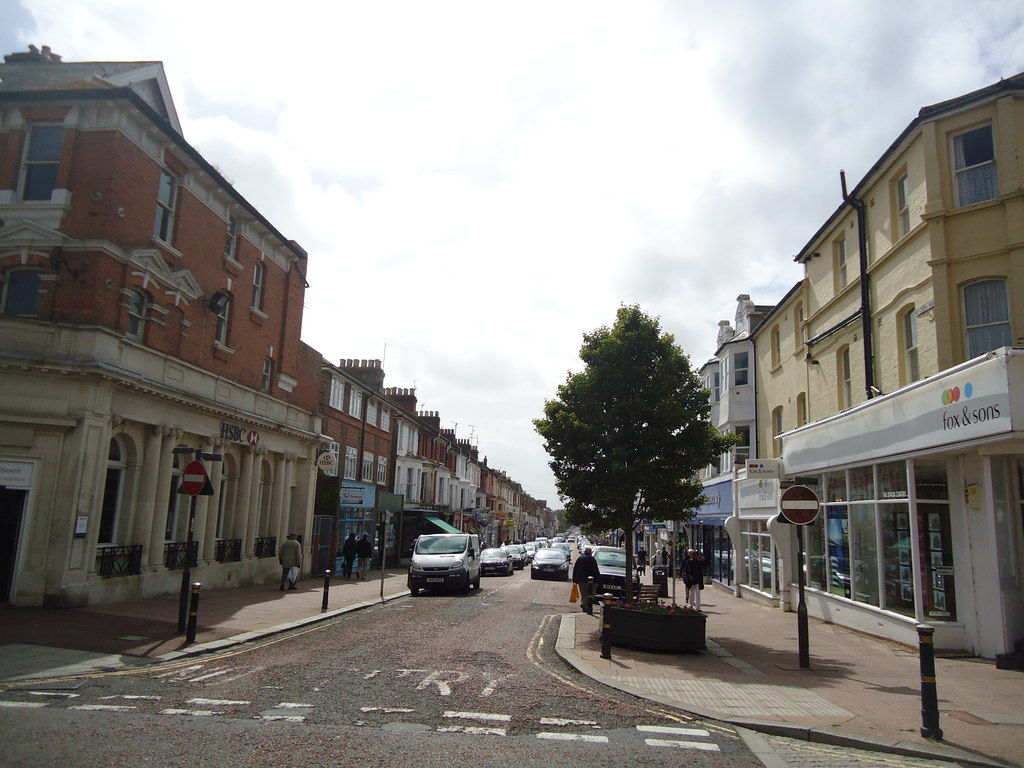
441, 524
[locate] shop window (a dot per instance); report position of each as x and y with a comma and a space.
835, 486
814, 534
174, 501
42, 161
986, 317
838, 533
897, 558
862, 483
864, 551
758, 562
21, 292
936, 547
930, 480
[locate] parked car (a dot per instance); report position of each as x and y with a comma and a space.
611, 563
518, 553
549, 563
530, 548
562, 547
497, 560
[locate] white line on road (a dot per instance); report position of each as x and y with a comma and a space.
682, 744
673, 731
130, 697
563, 721
23, 704
191, 712
217, 702
478, 716
387, 710
53, 693
105, 707
474, 729
285, 718
588, 737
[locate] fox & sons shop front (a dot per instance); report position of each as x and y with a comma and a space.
921, 511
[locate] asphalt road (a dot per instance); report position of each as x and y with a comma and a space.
434, 680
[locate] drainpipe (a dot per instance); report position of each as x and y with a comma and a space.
865, 288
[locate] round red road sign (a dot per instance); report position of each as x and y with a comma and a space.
800, 505
193, 479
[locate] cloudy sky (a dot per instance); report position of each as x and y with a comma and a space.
479, 183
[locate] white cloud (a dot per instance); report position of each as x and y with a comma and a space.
478, 184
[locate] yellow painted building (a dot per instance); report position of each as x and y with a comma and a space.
891, 380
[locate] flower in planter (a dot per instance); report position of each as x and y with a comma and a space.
651, 606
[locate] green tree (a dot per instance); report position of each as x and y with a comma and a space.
627, 435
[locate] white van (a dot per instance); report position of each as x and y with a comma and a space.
445, 561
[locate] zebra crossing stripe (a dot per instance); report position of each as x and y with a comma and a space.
105, 707
478, 716
474, 729
682, 744
23, 704
217, 702
588, 737
672, 731
191, 712
563, 721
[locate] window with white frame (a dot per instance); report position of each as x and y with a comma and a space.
137, 302
777, 431
231, 238
776, 342
268, 374
385, 419
355, 403
911, 368
367, 473
21, 292
337, 400
166, 195
801, 409
840, 261
902, 195
974, 163
371, 411
741, 369
42, 161
259, 279
986, 316
845, 379
351, 460
223, 317
382, 470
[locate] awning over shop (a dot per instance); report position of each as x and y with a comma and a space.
441, 524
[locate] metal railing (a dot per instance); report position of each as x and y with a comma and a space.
229, 550
266, 546
120, 560
174, 555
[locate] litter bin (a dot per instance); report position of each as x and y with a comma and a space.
659, 576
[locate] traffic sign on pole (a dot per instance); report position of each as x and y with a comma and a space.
799, 505
194, 480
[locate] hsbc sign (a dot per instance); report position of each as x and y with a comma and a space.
236, 434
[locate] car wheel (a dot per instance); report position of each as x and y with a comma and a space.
414, 591
533, 575
476, 584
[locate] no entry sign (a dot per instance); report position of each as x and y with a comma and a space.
194, 479
800, 505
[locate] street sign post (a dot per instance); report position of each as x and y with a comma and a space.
799, 505
194, 482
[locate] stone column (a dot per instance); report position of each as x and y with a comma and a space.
163, 489
277, 496
142, 524
216, 471
243, 500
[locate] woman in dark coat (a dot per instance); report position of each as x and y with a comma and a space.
348, 551
693, 577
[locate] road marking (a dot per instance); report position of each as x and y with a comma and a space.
57, 694
23, 704
588, 737
105, 707
130, 697
286, 718
180, 673
673, 731
191, 712
682, 744
293, 705
479, 716
563, 721
474, 729
443, 687
386, 710
217, 702
201, 678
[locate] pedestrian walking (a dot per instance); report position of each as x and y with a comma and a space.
290, 558
348, 552
364, 551
584, 568
641, 560
693, 577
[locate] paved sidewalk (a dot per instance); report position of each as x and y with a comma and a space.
860, 691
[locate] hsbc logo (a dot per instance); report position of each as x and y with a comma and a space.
236, 434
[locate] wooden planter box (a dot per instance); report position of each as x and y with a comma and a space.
654, 631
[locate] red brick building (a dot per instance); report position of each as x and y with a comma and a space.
147, 309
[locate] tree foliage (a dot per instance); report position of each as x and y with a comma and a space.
627, 435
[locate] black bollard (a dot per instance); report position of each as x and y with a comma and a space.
591, 592
327, 591
606, 642
929, 694
193, 614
